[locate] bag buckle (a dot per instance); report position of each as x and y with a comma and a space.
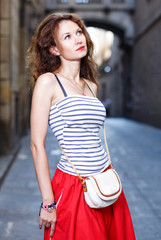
84, 185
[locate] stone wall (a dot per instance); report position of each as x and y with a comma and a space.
5, 78
146, 80
111, 83
18, 19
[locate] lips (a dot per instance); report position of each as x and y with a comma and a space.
80, 48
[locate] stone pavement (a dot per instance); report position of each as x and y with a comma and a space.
136, 154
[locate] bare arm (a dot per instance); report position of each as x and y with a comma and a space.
41, 102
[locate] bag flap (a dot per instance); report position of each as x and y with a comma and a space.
107, 183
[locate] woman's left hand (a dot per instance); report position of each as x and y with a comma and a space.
48, 220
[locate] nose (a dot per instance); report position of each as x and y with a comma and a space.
78, 40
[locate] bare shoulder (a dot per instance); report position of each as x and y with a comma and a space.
92, 85
46, 80
46, 84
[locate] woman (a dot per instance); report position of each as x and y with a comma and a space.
65, 86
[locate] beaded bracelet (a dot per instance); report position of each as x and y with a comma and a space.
48, 208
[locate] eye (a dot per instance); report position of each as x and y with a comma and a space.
67, 36
79, 32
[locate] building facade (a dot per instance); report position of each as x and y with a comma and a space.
17, 23
132, 85
146, 70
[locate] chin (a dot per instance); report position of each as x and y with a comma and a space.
83, 54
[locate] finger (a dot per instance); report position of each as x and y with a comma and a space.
47, 225
52, 229
40, 223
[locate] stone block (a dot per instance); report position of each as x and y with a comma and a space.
4, 27
5, 113
5, 92
5, 70
4, 49
5, 9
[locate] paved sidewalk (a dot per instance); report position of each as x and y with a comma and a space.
6, 162
136, 154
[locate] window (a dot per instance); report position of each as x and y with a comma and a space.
118, 1
89, 1
62, 1
82, 1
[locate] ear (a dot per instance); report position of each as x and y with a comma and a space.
54, 50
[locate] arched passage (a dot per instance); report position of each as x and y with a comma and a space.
116, 85
106, 26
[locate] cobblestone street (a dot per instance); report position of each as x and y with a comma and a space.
136, 154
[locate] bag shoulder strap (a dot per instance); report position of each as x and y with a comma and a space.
80, 178
78, 175
107, 150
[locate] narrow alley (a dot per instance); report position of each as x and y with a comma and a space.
136, 154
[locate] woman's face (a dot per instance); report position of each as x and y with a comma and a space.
70, 41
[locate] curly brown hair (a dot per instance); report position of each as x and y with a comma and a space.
39, 58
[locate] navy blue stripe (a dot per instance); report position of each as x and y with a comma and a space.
84, 109
89, 161
88, 119
81, 165
86, 148
79, 106
68, 135
76, 100
85, 115
80, 152
56, 126
57, 121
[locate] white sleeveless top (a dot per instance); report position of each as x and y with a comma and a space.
75, 121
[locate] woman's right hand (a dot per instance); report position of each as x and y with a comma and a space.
48, 220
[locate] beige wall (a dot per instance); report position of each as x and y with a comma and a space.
18, 20
5, 74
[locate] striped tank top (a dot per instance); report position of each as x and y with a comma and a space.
75, 121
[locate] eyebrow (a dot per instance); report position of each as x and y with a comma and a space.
69, 32
65, 33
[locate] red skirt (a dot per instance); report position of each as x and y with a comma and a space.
77, 221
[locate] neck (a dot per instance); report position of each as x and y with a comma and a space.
70, 70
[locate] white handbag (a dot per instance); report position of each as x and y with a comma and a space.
102, 189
